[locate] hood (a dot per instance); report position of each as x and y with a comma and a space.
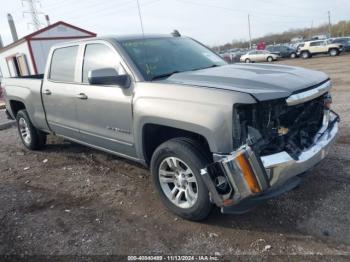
264, 82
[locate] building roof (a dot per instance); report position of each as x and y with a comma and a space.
32, 35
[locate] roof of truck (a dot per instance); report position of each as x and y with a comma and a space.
137, 37
120, 38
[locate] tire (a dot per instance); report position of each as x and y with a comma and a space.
293, 55
247, 61
190, 159
333, 52
305, 55
269, 59
31, 137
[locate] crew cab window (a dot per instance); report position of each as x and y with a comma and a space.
98, 56
63, 64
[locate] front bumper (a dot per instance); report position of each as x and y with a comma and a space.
280, 170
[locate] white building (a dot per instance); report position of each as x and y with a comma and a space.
27, 56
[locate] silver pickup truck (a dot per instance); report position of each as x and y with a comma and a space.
211, 133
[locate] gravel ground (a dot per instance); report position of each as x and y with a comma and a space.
3, 117
69, 199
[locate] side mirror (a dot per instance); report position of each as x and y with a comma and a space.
108, 76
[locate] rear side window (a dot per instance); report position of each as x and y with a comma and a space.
316, 43
63, 64
98, 56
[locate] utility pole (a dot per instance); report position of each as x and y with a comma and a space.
250, 35
311, 28
34, 13
329, 24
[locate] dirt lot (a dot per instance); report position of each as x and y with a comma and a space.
69, 199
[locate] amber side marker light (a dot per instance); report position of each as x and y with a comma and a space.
248, 173
328, 101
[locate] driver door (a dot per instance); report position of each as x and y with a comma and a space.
104, 112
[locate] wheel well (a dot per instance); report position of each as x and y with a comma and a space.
153, 135
16, 106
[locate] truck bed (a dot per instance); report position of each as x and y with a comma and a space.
28, 91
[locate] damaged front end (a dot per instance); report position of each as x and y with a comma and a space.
276, 141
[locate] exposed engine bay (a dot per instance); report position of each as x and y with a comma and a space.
274, 126
264, 129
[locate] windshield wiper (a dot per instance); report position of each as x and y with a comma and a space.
164, 75
213, 65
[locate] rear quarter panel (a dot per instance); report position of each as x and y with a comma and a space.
27, 91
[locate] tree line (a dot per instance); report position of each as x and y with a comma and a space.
342, 28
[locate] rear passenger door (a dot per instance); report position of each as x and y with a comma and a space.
316, 47
105, 111
59, 91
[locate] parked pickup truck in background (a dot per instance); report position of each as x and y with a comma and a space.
211, 133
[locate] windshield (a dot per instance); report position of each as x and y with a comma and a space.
161, 57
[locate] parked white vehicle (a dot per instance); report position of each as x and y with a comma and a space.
259, 56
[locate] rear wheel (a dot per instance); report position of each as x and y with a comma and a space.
248, 61
293, 55
305, 55
31, 137
175, 168
269, 59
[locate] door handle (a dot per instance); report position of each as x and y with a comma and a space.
47, 92
82, 96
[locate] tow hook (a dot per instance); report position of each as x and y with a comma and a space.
236, 177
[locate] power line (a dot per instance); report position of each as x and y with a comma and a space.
114, 11
237, 10
88, 8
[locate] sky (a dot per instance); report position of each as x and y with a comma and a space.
212, 22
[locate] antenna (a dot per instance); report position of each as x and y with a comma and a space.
33, 11
138, 6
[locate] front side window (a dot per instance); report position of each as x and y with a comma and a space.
161, 57
98, 56
63, 64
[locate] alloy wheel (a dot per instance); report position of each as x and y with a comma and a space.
24, 131
178, 182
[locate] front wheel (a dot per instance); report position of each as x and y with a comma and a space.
293, 55
270, 59
175, 168
31, 137
333, 52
